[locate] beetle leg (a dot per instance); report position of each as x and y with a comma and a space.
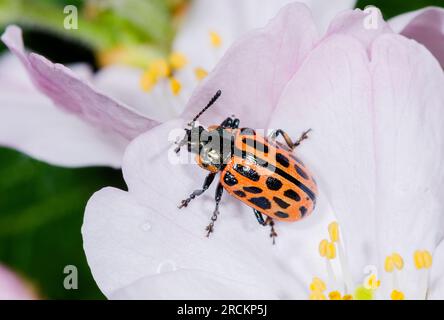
218, 197
303, 137
273, 233
208, 180
287, 138
259, 217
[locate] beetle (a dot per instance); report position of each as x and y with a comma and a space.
259, 171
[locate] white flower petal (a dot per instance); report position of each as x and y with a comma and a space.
408, 99
436, 280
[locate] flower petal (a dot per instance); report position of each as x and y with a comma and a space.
74, 95
232, 18
425, 26
13, 288
30, 122
331, 94
123, 84
249, 82
139, 245
408, 99
365, 26
436, 280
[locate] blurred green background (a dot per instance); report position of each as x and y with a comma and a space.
41, 206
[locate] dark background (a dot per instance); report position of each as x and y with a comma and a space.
41, 206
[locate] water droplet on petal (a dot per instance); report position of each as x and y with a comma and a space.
166, 266
146, 226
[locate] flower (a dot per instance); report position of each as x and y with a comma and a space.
96, 115
14, 288
375, 102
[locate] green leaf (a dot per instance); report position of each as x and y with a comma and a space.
41, 213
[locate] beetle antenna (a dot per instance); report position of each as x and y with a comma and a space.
212, 101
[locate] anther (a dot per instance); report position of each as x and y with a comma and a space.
333, 230
200, 73
323, 248
215, 39
177, 60
397, 295
175, 86
335, 295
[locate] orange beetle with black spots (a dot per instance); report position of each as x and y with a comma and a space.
259, 171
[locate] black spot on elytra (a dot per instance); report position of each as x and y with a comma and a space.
281, 214
282, 160
253, 189
261, 202
301, 172
273, 184
247, 172
240, 193
281, 203
292, 195
229, 179
303, 211
255, 144
248, 132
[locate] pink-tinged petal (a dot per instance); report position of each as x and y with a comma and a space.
325, 11
425, 26
140, 245
254, 71
14, 288
30, 122
331, 94
365, 26
408, 101
76, 96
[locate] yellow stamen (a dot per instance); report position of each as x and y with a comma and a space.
175, 86
333, 230
323, 248
418, 259
397, 295
335, 295
215, 39
160, 68
148, 81
398, 261
389, 265
316, 295
372, 282
347, 297
200, 73
331, 251
362, 293
422, 259
177, 60
428, 260
317, 285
